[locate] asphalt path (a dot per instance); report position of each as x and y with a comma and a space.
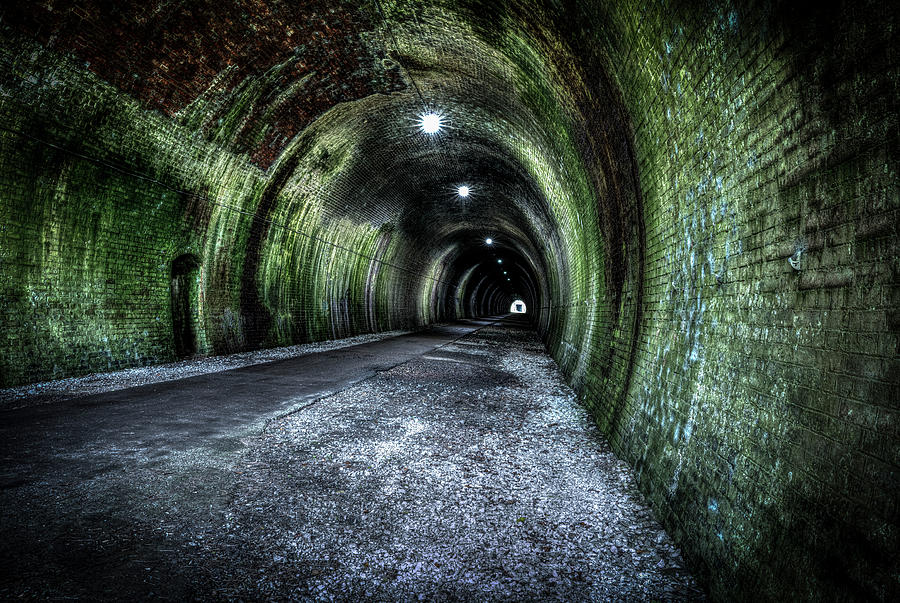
85, 437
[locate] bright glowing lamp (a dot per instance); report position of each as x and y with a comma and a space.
430, 122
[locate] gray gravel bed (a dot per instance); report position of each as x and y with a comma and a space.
468, 474
75, 387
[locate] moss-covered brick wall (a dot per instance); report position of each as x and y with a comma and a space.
762, 416
86, 249
79, 240
101, 195
698, 203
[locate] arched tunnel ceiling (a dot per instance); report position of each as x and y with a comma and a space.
331, 92
402, 176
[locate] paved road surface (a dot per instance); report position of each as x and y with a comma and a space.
81, 438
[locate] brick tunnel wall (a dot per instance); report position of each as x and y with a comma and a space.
762, 416
100, 199
708, 231
101, 195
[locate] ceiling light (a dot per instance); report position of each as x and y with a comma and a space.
430, 122
489, 241
499, 261
463, 191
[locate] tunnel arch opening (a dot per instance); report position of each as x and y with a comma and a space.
518, 307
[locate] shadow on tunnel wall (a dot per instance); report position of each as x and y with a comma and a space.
760, 411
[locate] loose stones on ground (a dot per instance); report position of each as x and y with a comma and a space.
468, 473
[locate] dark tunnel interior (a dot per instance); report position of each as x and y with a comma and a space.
697, 203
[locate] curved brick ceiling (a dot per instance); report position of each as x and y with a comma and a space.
251, 76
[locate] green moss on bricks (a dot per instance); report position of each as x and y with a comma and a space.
738, 175
73, 250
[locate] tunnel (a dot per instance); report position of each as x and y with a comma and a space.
697, 203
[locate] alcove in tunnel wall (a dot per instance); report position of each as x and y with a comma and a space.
656, 171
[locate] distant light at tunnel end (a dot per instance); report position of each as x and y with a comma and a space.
463, 191
430, 122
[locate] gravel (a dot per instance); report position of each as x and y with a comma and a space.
469, 473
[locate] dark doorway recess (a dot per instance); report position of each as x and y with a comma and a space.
185, 294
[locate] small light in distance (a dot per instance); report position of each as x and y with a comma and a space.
504, 272
430, 122
463, 191
489, 241
499, 261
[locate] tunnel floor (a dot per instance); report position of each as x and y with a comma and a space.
465, 471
